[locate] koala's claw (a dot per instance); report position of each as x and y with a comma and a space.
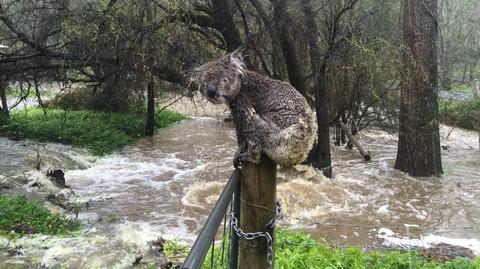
245, 157
250, 112
236, 162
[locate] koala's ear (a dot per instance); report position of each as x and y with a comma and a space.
237, 54
235, 58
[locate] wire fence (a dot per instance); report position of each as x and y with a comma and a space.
204, 252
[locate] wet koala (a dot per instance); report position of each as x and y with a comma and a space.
270, 116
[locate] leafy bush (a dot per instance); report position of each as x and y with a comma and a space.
101, 133
76, 99
463, 114
174, 250
19, 216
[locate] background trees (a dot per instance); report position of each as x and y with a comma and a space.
459, 45
345, 57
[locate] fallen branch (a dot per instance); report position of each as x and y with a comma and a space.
361, 149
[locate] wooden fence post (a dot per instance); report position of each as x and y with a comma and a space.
258, 200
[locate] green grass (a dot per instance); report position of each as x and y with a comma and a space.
462, 88
101, 133
173, 250
462, 113
20, 216
296, 250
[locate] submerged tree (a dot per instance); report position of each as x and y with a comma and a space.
419, 140
320, 156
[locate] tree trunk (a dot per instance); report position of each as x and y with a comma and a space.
3, 96
476, 124
419, 140
284, 32
112, 96
276, 55
342, 134
475, 83
338, 135
320, 156
150, 122
223, 18
445, 47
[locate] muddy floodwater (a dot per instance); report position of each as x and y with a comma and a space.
166, 186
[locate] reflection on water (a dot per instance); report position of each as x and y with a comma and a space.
166, 185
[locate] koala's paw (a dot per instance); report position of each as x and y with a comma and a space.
241, 157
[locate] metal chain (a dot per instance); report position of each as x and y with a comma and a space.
268, 237
276, 217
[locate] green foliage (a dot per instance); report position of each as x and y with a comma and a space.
101, 133
3, 120
462, 88
215, 257
463, 114
368, 73
295, 250
298, 250
19, 216
77, 99
173, 249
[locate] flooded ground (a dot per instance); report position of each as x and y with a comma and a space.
166, 186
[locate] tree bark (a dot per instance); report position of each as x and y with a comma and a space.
338, 130
419, 140
320, 157
445, 57
342, 134
150, 122
276, 55
222, 14
3, 96
475, 83
283, 23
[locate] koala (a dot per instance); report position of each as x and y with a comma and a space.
271, 117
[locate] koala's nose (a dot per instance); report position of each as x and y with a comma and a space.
211, 90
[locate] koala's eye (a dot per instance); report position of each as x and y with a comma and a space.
225, 80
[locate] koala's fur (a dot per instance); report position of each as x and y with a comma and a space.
270, 116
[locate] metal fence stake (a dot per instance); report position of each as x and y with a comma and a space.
234, 237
